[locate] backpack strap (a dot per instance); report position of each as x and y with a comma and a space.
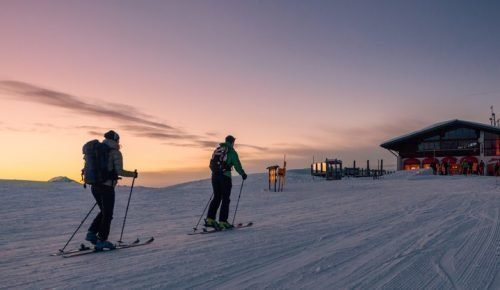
113, 175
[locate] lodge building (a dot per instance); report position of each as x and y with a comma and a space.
451, 143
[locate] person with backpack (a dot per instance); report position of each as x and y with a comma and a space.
103, 188
223, 160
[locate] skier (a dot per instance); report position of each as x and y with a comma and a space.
481, 168
446, 166
104, 194
434, 167
223, 159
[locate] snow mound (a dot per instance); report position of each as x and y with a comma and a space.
409, 174
62, 179
424, 171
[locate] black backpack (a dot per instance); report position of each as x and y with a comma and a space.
95, 170
218, 161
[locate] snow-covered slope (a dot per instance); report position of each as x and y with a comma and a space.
61, 179
404, 231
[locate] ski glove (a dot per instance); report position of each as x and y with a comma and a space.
244, 176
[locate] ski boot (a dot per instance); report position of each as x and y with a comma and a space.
91, 237
211, 223
225, 225
104, 245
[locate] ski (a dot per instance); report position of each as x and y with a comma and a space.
119, 246
212, 230
82, 247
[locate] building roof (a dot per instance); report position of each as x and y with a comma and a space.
390, 144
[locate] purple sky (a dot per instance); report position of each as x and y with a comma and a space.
302, 78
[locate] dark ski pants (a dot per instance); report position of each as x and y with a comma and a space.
221, 185
105, 197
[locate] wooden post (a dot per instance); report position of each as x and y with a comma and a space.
274, 177
269, 177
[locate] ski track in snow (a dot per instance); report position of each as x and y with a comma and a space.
404, 231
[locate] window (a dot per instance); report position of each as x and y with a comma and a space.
449, 145
467, 144
461, 133
433, 138
491, 144
428, 146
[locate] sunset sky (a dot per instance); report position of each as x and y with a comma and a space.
302, 78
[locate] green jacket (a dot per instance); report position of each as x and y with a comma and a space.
232, 160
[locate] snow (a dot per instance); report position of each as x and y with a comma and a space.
407, 230
61, 179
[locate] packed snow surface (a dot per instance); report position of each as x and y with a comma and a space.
407, 230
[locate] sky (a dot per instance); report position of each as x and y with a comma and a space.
301, 79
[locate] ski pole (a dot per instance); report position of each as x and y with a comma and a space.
62, 250
126, 211
241, 189
201, 216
